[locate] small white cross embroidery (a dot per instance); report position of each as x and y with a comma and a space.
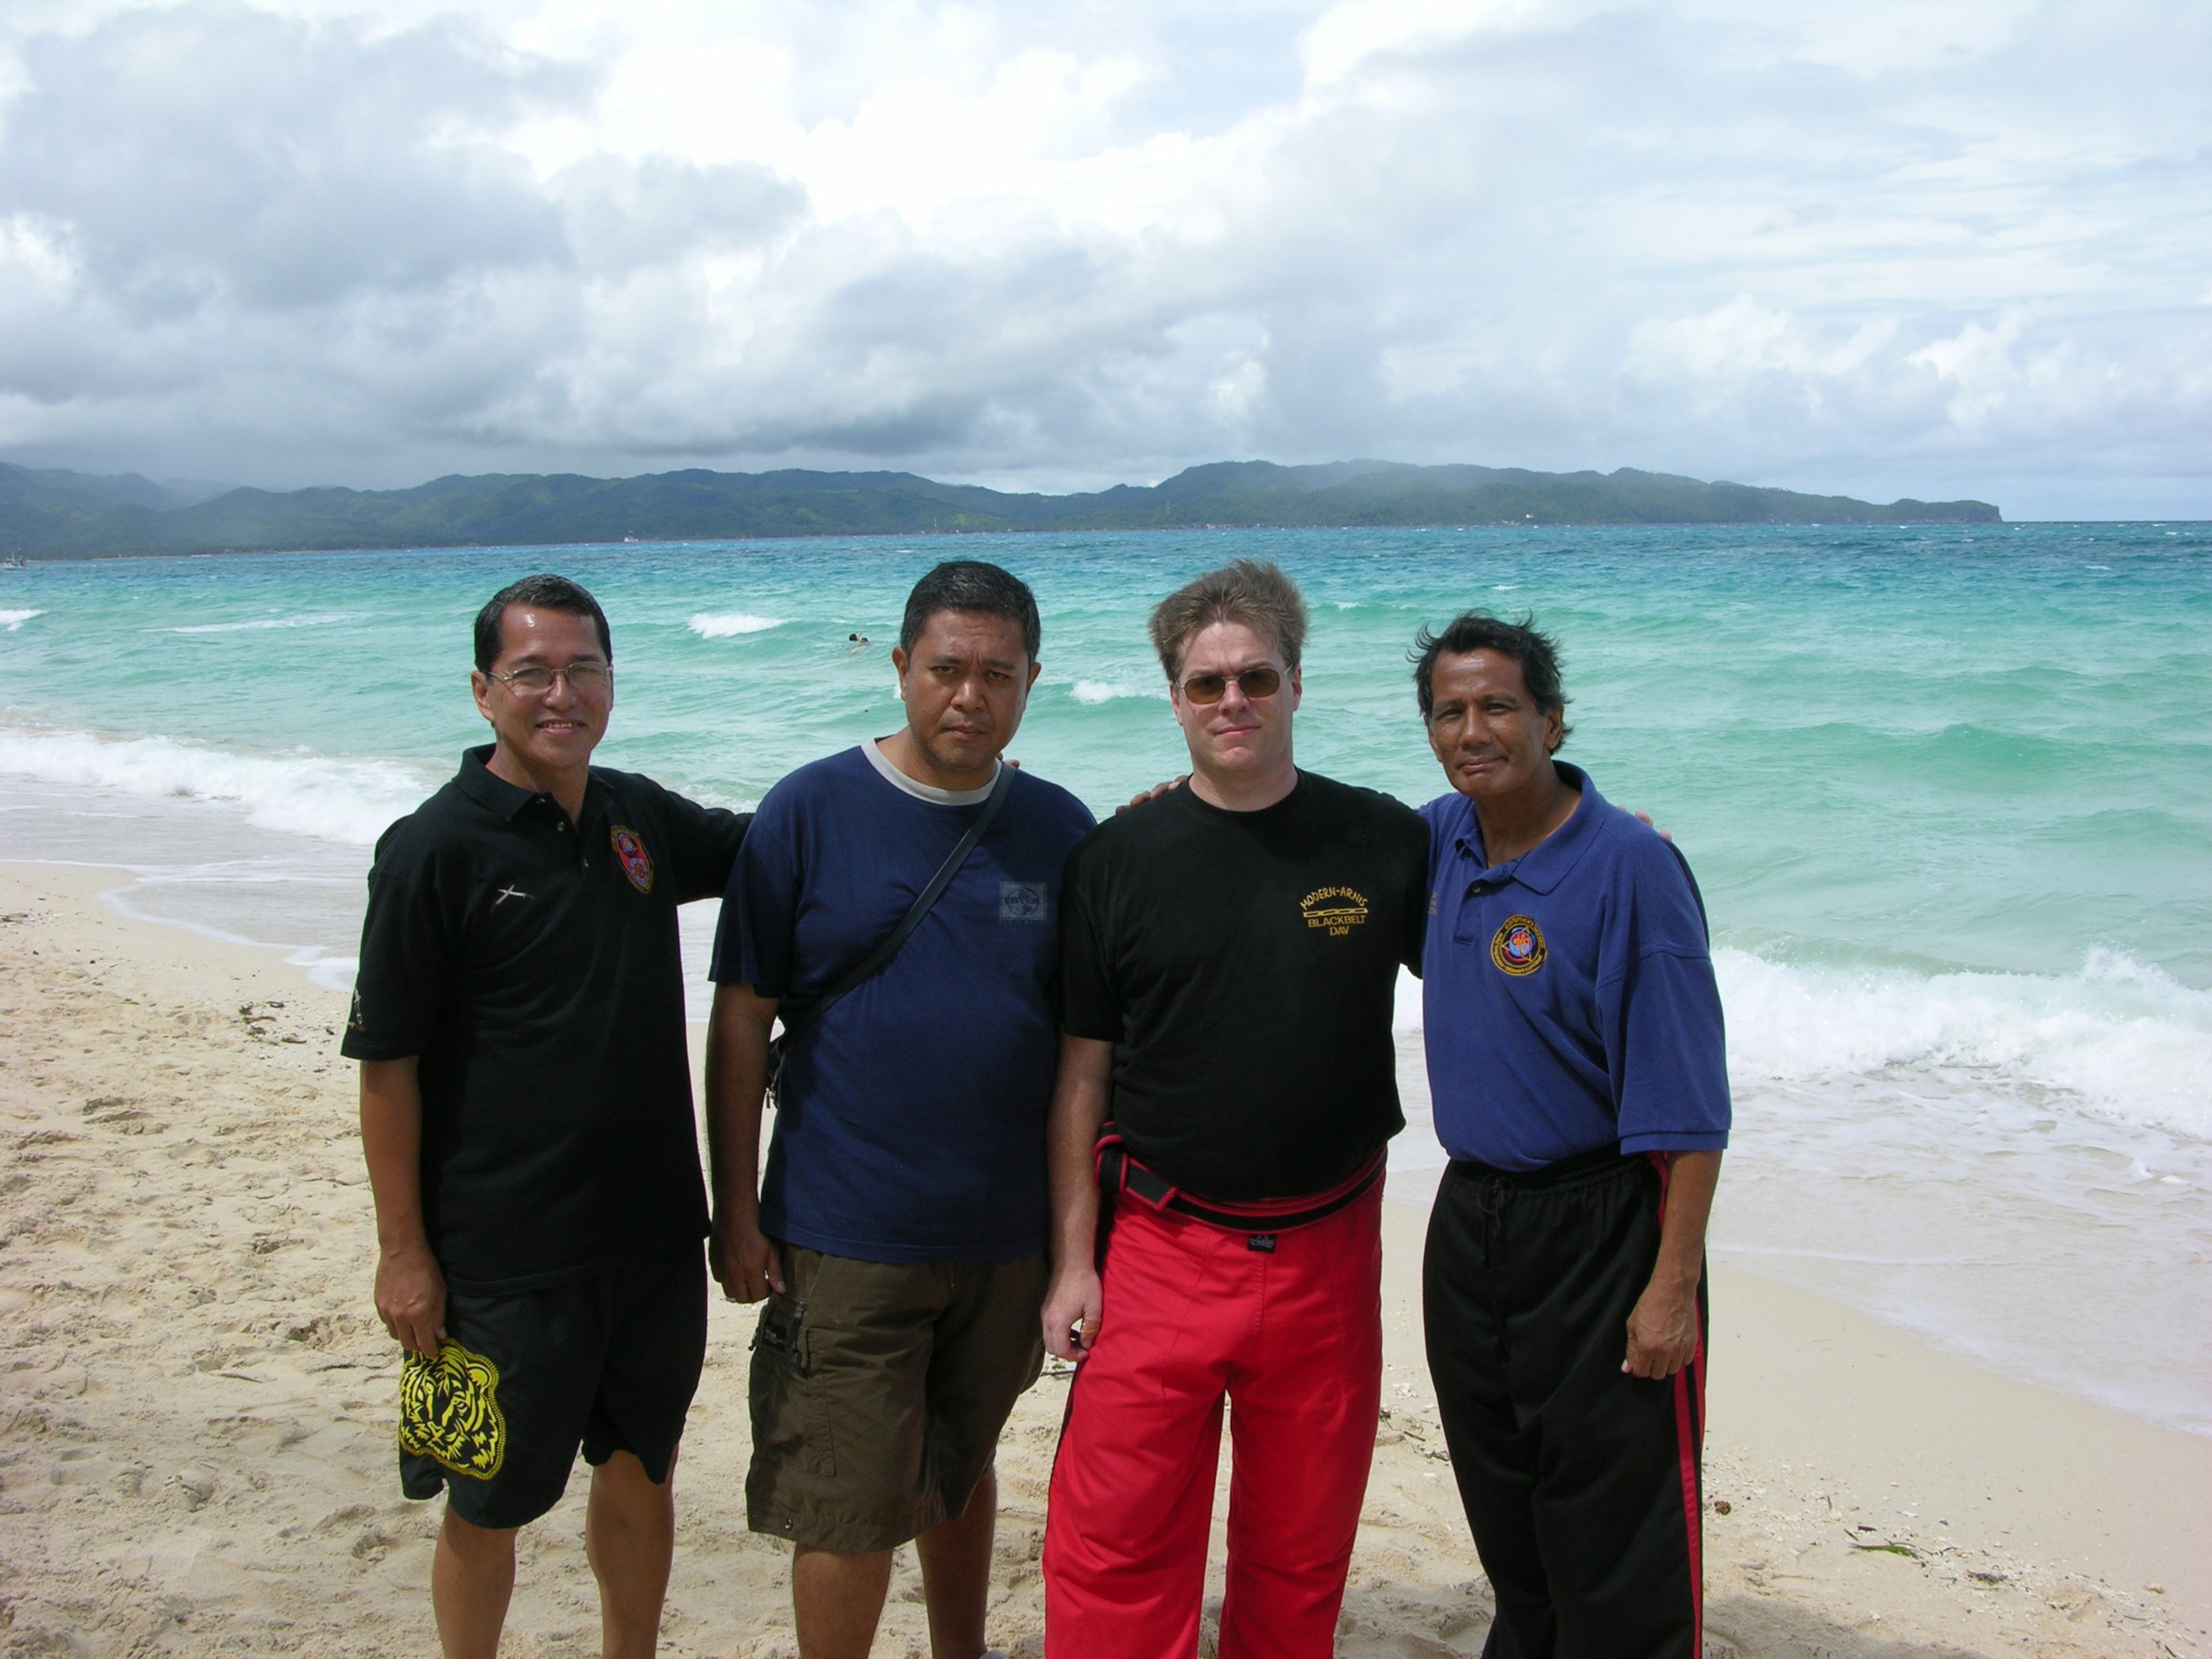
507, 893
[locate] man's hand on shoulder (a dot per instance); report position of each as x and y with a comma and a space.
1644, 818
1071, 1311
1155, 792
744, 1259
410, 1298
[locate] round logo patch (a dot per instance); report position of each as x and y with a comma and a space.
1517, 946
637, 863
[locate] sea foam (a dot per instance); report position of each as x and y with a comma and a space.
258, 625
2119, 1038
1090, 692
722, 625
10, 620
345, 801
2124, 1039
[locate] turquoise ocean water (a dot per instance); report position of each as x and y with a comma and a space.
1948, 791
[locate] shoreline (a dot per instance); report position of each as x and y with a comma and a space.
1754, 1234
176, 1440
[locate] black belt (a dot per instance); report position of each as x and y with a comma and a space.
1117, 1170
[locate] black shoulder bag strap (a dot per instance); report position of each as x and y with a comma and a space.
875, 962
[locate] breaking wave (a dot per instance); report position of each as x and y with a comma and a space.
2118, 1037
1090, 692
2121, 1037
345, 801
722, 625
311, 619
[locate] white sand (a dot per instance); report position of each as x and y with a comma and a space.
195, 1401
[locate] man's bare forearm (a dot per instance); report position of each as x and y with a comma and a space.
1074, 1306
1692, 1177
745, 1261
410, 1296
737, 1083
391, 1145
1080, 1103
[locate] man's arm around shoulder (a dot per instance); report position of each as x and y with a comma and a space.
744, 1258
705, 841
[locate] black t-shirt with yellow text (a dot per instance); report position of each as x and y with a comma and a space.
1246, 966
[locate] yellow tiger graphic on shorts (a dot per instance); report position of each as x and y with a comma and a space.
448, 1410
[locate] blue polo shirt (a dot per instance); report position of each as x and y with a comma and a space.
1568, 995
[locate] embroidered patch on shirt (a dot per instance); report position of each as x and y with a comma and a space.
1517, 946
1337, 910
637, 863
1021, 901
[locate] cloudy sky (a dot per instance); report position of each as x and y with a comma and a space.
1898, 247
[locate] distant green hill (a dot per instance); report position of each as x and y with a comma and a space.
52, 514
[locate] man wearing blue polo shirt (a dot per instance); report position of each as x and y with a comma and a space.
1580, 1086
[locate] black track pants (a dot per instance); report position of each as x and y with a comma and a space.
1581, 1482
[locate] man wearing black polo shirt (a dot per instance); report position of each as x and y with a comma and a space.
526, 1112
1230, 953
1580, 1084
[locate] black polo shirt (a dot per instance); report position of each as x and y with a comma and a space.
532, 964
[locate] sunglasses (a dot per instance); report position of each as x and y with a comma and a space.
1255, 683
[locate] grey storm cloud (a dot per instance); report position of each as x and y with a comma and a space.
239, 242
214, 153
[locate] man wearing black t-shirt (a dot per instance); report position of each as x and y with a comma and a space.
1230, 955
526, 1111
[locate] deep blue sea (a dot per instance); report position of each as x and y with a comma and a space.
1947, 789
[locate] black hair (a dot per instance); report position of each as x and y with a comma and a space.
972, 585
1537, 653
540, 592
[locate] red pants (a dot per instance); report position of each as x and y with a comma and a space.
1292, 1336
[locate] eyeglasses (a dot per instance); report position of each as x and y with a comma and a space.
586, 679
1255, 683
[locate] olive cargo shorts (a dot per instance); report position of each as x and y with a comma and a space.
878, 1390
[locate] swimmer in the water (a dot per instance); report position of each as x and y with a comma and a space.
856, 640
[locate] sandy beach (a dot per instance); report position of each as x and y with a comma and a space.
196, 1409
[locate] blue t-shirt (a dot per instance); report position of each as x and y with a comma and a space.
1568, 996
911, 1122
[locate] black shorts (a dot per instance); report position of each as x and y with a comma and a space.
609, 1363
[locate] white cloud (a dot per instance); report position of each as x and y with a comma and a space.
1744, 337
1349, 35
1934, 247
1977, 368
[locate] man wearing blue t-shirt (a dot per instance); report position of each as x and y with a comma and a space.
899, 1234
1580, 1086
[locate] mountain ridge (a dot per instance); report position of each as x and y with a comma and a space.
55, 514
